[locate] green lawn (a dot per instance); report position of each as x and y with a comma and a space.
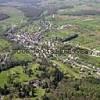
39, 92
21, 56
4, 44
57, 34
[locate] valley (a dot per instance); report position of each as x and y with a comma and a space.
50, 50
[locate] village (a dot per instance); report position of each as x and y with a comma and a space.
51, 49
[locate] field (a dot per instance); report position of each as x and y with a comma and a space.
31, 12
80, 18
4, 45
16, 17
66, 69
87, 27
21, 77
92, 60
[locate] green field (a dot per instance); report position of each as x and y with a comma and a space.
67, 70
22, 77
16, 18
4, 45
90, 59
87, 27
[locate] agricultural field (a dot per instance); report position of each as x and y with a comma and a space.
87, 27
81, 18
16, 17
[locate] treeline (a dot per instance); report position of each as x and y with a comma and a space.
32, 12
83, 13
66, 7
3, 16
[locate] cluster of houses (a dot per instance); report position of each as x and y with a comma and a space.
95, 53
25, 39
51, 48
76, 62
